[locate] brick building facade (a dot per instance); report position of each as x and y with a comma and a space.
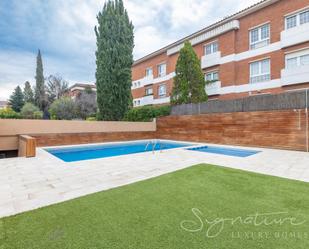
260, 50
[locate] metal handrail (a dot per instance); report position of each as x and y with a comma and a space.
147, 145
154, 143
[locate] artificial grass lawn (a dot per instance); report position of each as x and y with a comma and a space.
149, 214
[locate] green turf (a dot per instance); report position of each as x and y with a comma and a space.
151, 214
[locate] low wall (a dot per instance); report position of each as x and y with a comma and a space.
285, 129
272, 129
84, 138
10, 129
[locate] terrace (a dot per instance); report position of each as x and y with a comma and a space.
30, 183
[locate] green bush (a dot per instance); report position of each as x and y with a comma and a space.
63, 109
38, 115
30, 111
8, 113
147, 113
91, 119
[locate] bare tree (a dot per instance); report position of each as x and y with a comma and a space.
86, 103
56, 87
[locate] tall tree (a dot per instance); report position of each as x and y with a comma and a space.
28, 93
16, 100
39, 97
114, 59
189, 82
56, 87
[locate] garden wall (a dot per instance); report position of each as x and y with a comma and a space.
84, 138
69, 131
283, 129
273, 129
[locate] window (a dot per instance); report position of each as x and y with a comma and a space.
136, 84
297, 19
162, 70
260, 71
212, 76
297, 59
260, 37
148, 91
162, 90
291, 63
211, 48
136, 102
291, 22
304, 17
149, 72
304, 60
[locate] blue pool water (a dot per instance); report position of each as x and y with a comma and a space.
79, 153
225, 151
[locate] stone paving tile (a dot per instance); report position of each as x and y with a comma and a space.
27, 184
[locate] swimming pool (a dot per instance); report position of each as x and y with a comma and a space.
225, 151
86, 152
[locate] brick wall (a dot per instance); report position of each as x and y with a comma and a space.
272, 129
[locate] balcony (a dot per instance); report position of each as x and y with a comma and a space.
150, 100
295, 76
295, 35
213, 88
211, 60
161, 100
142, 82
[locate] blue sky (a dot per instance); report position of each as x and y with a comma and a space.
64, 31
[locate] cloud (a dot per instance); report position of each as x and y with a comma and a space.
64, 31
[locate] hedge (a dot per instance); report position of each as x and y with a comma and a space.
146, 113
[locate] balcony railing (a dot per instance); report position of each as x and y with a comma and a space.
142, 82
295, 76
150, 100
213, 88
295, 35
210, 60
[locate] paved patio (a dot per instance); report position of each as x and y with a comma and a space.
30, 183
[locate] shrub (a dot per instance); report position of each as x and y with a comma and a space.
30, 111
38, 115
147, 113
91, 119
8, 113
63, 109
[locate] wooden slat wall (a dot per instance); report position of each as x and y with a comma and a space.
84, 138
272, 129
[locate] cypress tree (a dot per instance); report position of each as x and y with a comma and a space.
189, 82
28, 93
39, 96
114, 59
16, 100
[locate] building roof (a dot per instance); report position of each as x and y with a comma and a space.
82, 85
237, 15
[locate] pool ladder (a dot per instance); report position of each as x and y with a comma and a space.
154, 143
